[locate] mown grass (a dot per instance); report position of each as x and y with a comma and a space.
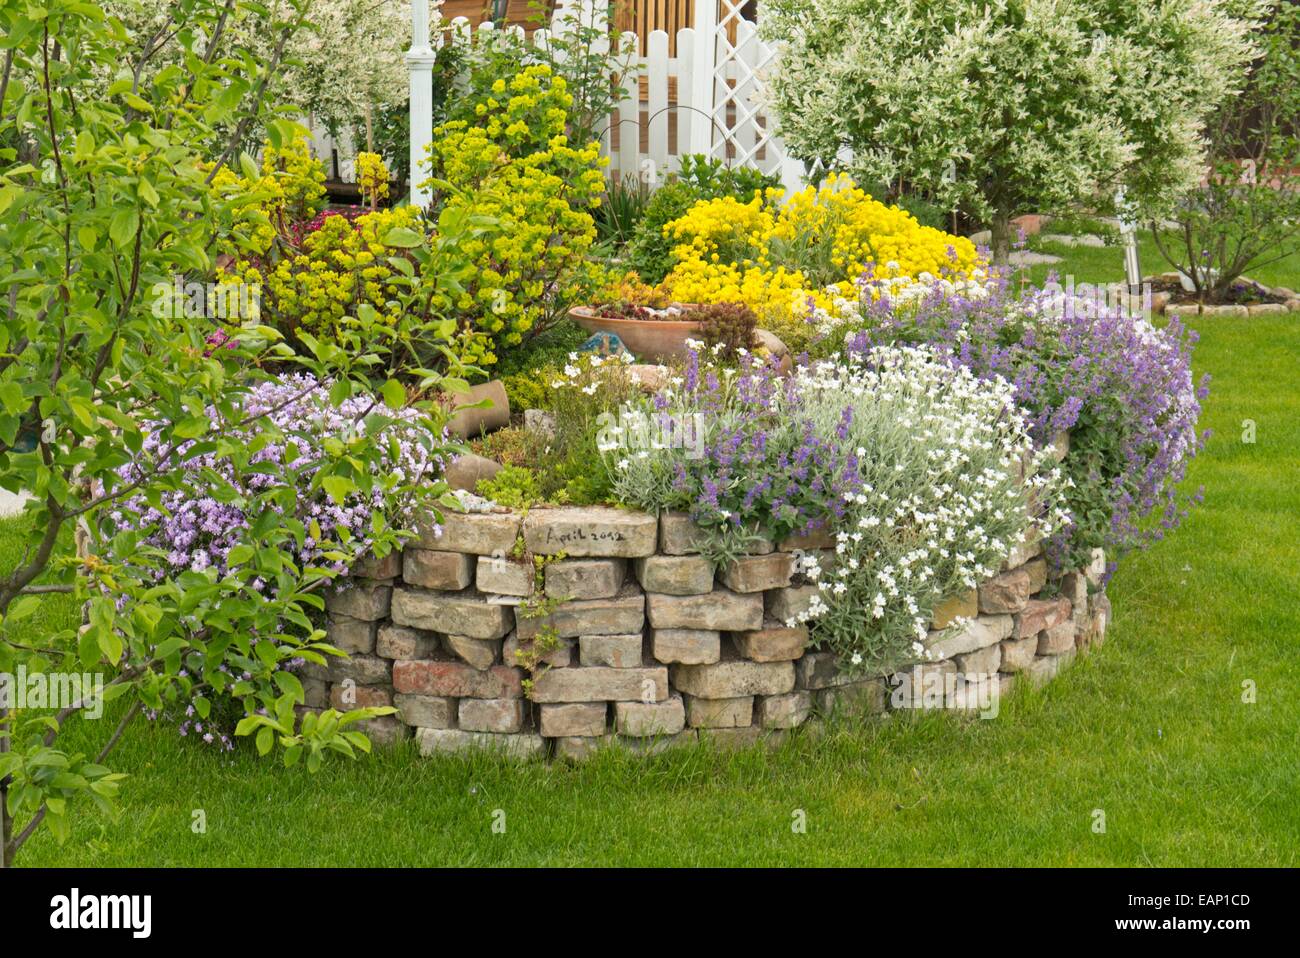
1151, 730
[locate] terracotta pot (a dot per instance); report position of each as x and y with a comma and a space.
646, 339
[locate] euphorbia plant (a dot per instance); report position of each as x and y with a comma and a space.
109, 399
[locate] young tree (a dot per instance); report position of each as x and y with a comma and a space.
1246, 212
1005, 106
108, 403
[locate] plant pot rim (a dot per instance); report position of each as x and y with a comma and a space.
591, 312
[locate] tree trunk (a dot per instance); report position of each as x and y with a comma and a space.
6, 825
1001, 230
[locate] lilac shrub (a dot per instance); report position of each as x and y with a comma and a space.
1122, 388
198, 527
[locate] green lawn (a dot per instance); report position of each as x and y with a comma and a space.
1151, 729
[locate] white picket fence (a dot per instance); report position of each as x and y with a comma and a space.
705, 99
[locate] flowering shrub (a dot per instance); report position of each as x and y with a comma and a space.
516, 170
372, 178
784, 261
288, 189
199, 527
1120, 387
196, 526
318, 284
915, 465
940, 502
701, 177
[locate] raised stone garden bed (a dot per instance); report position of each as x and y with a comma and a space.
1251, 298
652, 648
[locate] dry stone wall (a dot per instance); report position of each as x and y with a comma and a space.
652, 648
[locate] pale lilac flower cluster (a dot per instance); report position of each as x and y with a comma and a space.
197, 529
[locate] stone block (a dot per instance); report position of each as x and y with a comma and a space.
358, 600
719, 610
615, 651
426, 711
856, 698
591, 531
819, 538
964, 605
585, 578
1011, 591
820, 670
1018, 654
382, 730
621, 615
345, 696
491, 715
456, 680
602, 684
399, 642
783, 711
978, 633
1057, 639
557, 658
675, 575
985, 661
480, 653
351, 635
361, 669
678, 535
732, 679
455, 613
772, 643
477, 533
644, 720
688, 646
497, 575
434, 741
720, 713
432, 569
1039, 615
788, 604
757, 573
573, 719
377, 569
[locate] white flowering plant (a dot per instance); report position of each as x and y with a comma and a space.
950, 483
1005, 106
927, 475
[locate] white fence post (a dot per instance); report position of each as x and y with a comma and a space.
702, 91
420, 60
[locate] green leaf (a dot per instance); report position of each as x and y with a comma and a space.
265, 739
338, 487
249, 167
11, 395
191, 428
394, 394
122, 228
403, 238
